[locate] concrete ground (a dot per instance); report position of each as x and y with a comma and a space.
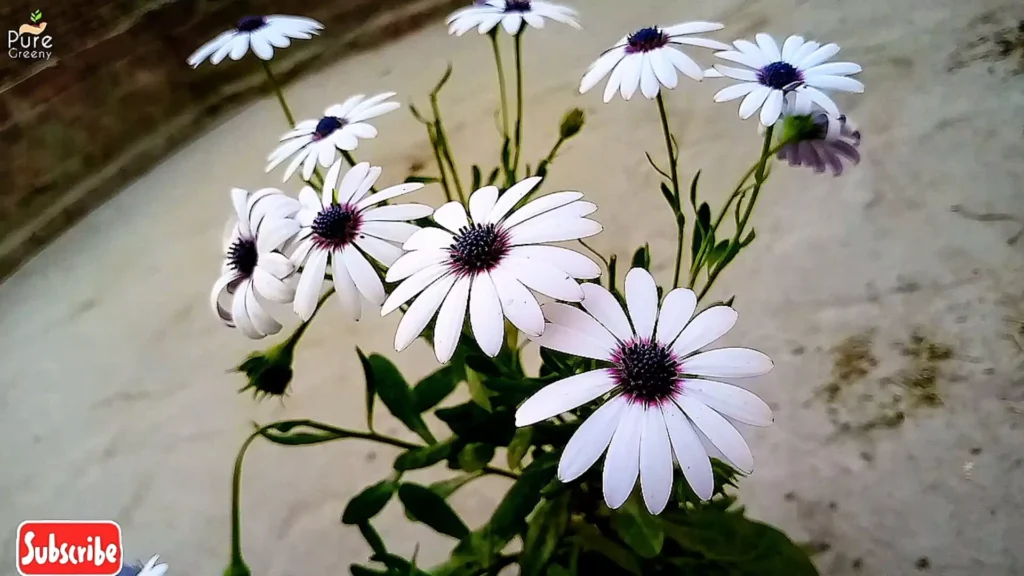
892, 300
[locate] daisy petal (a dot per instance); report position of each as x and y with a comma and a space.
579, 321
732, 401
600, 68
833, 68
482, 202
663, 69
575, 264
690, 453
603, 306
565, 340
452, 216
753, 101
649, 85
622, 463
676, 310
742, 58
219, 289
615, 80
429, 239
310, 282
737, 73
384, 252
543, 278
735, 91
728, 363
693, 28
412, 286
821, 99
537, 231
708, 326
485, 317
720, 432
518, 303
388, 193
413, 262
817, 57
350, 183
451, 317
421, 312
768, 47
511, 197
565, 395
655, 461
772, 108
345, 288
392, 231
790, 46
398, 212
642, 301
633, 64
590, 440
840, 83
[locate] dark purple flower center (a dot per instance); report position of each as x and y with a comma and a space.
336, 226
517, 6
779, 75
478, 248
243, 256
326, 126
646, 371
251, 23
646, 39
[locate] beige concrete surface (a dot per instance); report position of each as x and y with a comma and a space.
114, 396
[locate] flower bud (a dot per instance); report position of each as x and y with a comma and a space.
572, 123
270, 371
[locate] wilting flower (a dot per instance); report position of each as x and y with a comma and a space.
253, 271
341, 127
649, 59
658, 390
490, 261
261, 33
819, 140
511, 14
343, 230
800, 66
151, 568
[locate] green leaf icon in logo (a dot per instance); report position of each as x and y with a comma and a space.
36, 16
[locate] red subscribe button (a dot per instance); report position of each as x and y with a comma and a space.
54, 548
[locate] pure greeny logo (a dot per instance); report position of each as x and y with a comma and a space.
29, 42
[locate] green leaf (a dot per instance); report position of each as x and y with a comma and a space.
371, 388
477, 177
368, 503
423, 457
284, 433
446, 488
670, 197
482, 364
430, 391
717, 253
642, 258
638, 529
613, 262
477, 391
428, 508
358, 570
544, 534
474, 424
750, 238
528, 171
693, 189
493, 176
701, 230
518, 446
557, 362
395, 393
372, 538
420, 117
397, 565
444, 80
521, 498
474, 457
590, 538
422, 179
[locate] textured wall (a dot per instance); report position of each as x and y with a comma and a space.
116, 95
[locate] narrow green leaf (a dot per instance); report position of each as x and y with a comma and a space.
357, 570
613, 263
446, 488
701, 230
590, 538
750, 238
717, 253
430, 509
371, 388
430, 391
368, 503
693, 189
397, 566
422, 179
638, 529
477, 391
423, 457
521, 499
284, 433
518, 447
444, 80
482, 364
473, 457
493, 176
543, 535
670, 197
474, 424
659, 171
542, 169
528, 171
395, 393
477, 177
642, 258
372, 538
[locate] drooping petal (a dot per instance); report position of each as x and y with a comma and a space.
690, 453
728, 363
655, 461
590, 440
347, 293
753, 101
732, 401
622, 464
663, 69
632, 65
564, 395
649, 85
720, 432
684, 63
364, 275
708, 326
600, 68
308, 291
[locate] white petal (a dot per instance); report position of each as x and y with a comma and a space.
308, 291
309, 200
345, 107
817, 57
547, 280
361, 130
562, 339
590, 440
350, 183
753, 61
728, 363
833, 69
271, 287
261, 47
803, 52
452, 216
663, 68
263, 322
622, 464
821, 99
567, 394
632, 65
533, 20
579, 321
429, 239
451, 317
518, 303
732, 401
536, 232
768, 47
603, 306
575, 264
275, 233
720, 432
655, 461
485, 317
240, 202
557, 217
642, 301
373, 112
753, 101
331, 183
219, 289
277, 265
388, 193
541, 205
690, 453
391, 231
615, 80
412, 286
649, 85
511, 23
482, 202
204, 51
487, 23
364, 275
692, 28
684, 63
737, 73
384, 252
371, 102
600, 68
398, 212
413, 262
840, 83
701, 42
224, 49
748, 47
346, 291
708, 326
790, 46
511, 197
676, 310
239, 46
735, 91
772, 108
421, 311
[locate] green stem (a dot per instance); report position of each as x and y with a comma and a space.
596, 253
236, 497
277, 90
675, 187
518, 40
443, 149
440, 163
501, 82
766, 154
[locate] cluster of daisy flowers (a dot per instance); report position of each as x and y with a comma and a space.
495, 259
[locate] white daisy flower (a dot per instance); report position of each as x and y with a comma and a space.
491, 261
151, 568
648, 59
511, 14
799, 66
253, 270
343, 230
340, 128
261, 33
657, 386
